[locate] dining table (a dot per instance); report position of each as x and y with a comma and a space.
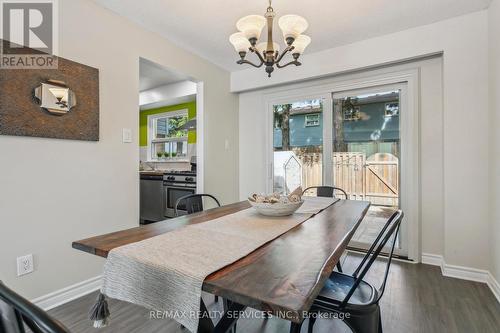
282, 277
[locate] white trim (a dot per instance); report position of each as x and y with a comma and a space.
494, 286
432, 259
200, 138
463, 273
65, 295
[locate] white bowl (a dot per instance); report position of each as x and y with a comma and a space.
276, 209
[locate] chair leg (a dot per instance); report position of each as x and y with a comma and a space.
310, 325
339, 267
295, 328
379, 322
366, 323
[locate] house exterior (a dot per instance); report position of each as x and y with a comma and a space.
373, 119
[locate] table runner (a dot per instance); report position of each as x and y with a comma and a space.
166, 272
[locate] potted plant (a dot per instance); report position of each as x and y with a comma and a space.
166, 155
159, 155
173, 155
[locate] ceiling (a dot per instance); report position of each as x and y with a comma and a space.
203, 27
152, 75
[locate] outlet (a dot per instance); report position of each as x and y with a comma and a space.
24, 265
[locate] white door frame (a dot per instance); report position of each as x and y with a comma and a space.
200, 138
410, 125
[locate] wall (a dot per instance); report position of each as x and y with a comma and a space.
494, 34
253, 171
55, 191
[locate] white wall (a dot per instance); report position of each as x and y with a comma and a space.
55, 191
464, 43
494, 34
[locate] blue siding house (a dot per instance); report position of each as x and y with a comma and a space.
375, 123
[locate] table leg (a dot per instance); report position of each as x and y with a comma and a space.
205, 324
295, 328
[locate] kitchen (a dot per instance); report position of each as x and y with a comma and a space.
167, 131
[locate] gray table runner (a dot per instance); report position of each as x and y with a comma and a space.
166, 272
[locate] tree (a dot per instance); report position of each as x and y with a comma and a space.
282, 121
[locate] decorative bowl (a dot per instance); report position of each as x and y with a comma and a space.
276, 209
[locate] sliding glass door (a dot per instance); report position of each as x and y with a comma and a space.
351, 140
367, 155
297, 145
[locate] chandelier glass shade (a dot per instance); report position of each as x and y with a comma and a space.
268, 53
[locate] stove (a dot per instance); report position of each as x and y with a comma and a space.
177, 184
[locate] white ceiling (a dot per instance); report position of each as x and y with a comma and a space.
152, 75
203, 27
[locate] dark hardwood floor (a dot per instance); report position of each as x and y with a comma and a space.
417, 299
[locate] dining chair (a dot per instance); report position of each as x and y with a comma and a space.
17, 312
194, 204
327, 192
343, 293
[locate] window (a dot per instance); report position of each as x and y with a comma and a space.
166, 138
392, 109
312, 120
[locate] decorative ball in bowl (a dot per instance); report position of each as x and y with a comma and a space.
276, 204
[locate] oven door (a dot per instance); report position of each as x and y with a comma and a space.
172, 194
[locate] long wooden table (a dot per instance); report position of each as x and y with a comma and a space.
283, 276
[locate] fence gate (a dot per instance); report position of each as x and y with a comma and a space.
375, 179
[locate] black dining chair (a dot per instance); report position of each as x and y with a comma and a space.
194, 204
327, 192
17, 312
351, 294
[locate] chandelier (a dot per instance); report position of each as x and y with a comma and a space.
250, 28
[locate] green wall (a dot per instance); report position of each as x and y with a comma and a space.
143, 120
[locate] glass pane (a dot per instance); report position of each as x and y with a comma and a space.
169, 127
169, 150
366, 154
160, 150
298, 145
179, 149
174, 124
161, 128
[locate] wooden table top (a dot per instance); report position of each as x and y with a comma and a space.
283, 276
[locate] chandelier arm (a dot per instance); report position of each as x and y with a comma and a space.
285, 51
254, 50
241, 62
295, 62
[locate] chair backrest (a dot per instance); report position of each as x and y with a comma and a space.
194, 202
326, 191
15, 311
390, 229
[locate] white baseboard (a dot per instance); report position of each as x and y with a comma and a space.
464, 273
432, 259
68, 294
494, 286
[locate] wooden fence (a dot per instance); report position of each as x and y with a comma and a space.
374, 179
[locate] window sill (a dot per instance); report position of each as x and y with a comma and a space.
168, 161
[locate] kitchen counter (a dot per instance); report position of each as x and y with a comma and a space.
153, 172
